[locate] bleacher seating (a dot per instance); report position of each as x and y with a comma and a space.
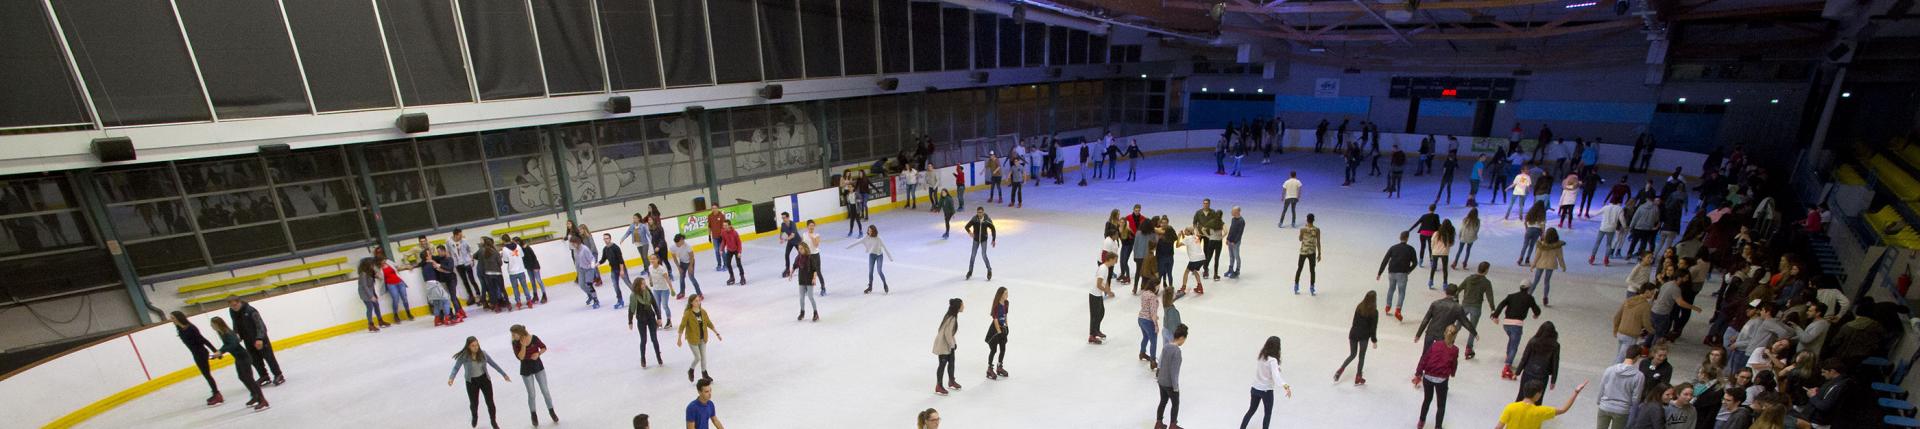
526, 231
281, 277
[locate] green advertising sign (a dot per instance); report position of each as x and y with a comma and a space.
695, 224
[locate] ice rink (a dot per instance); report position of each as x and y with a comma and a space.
867, 363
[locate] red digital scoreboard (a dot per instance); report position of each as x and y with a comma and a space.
1467, 88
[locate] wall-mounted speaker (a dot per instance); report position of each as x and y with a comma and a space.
619, 104
275, 149
888, 84
1352, 70
412, 123
1523, 72
113, 149
695, 110
1841, 53
771, 92
978, 77
1053, 72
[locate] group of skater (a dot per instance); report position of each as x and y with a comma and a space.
1786, 347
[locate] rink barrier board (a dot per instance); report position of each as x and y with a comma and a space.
1170, 142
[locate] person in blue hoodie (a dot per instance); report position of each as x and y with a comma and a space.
1620, 389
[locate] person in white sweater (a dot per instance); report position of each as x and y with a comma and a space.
1612, 220
910, 178
875, 250
1266, 377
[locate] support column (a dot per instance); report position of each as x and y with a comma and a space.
699, 116
97, 212
380, 238
826, 127
1816, 155
559, 157
1053, 108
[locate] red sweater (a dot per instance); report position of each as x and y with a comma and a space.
730, 238
1440, 360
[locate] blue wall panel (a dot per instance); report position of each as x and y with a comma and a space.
1633, 113
1446, 108
1310, 104
1209, 114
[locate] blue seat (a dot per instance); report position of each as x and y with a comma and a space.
1876, 361
1900, 407
1901, 422
1891, 390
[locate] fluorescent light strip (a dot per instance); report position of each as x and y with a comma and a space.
1581, 5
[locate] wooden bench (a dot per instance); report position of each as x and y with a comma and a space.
496, 232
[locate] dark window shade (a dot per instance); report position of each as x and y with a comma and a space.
40, 89
339, 44
736, 56
234, 245
245, 57
955, 35
626, 28
164, 256
133, 60
896, 37
505, 58
567, 45
1010, 51
1077, 47
424, 42
1096, 49
1057, 46
926, 36
985, 35
321, 231
683, 42
821, 28
857, 29
780, 39
1035, 45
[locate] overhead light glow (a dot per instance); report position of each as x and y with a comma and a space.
1203, 89
1581, 5
1846, 95
1726, 100
1229, 89
1683, 99
1143, 75
1774, 101
1503, 101
1317, 49
1261, 90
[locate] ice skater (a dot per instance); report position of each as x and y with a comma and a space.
790, 234
586, 266
1397, 170
1309, 258
1015, 197
1207, 226
1512, 313
642, 236
983, 235
396, 291
994, 177
945, 206
814, 251
234, 344
1436, 368
1291, 190
1096, 300
369, 278
694, 326
808, 268
1365, 330
1236, 230
1551, 258
1446, 179
1150, 321
511, 255
253, 335
1399, 262
1442, 242
528, 349
876, 250
616, 270
1536, 222
661, 286
641, 310
1569, 196
1522, 182
1476, 292
463, 266
1613, 221
492, 285
997, 336
474, 362
1196, 261
1133, 159
535, 283
200, 349
730, 254
1465, 235
944, 344
1541, 362
1168, 377
1266, 377
683, 256
437, 270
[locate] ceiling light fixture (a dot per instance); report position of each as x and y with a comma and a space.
1503, 101
1316, 49
1581, 5
1683, 99
1229, 89
1203, 89
1774, 101
1846, 95
1143, 75
1726, 100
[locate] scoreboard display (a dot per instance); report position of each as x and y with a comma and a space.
1464, 88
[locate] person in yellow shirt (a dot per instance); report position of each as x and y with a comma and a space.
1528, 413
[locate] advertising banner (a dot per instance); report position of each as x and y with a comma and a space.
695, 224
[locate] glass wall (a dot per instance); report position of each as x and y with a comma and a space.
47, 244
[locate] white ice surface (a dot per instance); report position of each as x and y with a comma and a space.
868, 363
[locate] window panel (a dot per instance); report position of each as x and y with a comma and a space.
626, 28
455, 180
245, 57
622, 151
241, 208
398, 187
165, 256
137, 184
308, 165
1056, 46
149, 219
852, 132
1077, 47
424, 42
896, 37
580, 160
926, 36
241, 244
780, 39
390, 156
567, 45
821, 29
1035, 44
339, 43
40, 88
133, 60
322, 231
683, 42
1097, 49
44, 232
457, 210
676, 157
450, 149
954, 36
1010, 52
55, 273
736, 37
505, 57
309, 199
406, 218
857, 28
985, 33
221, 175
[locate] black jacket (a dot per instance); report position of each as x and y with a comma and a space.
1516, 306
611, 256
195, 342
982, 230
1364, 327
247, 323
1400, 259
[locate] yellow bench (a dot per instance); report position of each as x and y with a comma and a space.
1846, 174
196, 287
1888, 218
408, 248
316, 277
1897, 180
513, 229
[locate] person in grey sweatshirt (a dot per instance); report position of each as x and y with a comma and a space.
475, 362
586, 266
1620, 388
1646, 220
1763, 329
1169, 378
1443, 312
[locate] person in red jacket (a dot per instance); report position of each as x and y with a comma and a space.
960, 186
730, 256
1436, 367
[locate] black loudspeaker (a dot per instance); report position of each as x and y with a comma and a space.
771, 92
1523, 72
275, 149
889, 84
1053, 72
113, 149
1352, 70
695, 110
931, 89
412, 123
620, 104
978, 77
1841, 52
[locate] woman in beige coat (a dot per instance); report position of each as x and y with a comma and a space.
1550, 256
944, 345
